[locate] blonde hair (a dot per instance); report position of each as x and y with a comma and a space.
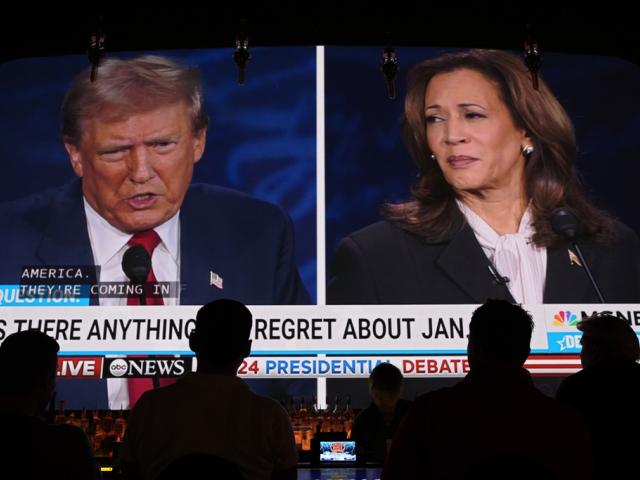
123, 87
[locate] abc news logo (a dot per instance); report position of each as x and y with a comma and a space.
146, 367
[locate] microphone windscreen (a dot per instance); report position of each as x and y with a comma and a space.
565, 223
136, 264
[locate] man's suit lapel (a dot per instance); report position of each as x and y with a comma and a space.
199, 245
465, 263
65, 240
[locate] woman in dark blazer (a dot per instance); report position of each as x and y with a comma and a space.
496, 158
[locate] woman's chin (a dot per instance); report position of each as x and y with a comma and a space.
466, 187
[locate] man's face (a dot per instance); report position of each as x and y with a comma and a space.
136, 170
587, 355
43, 387
385, 401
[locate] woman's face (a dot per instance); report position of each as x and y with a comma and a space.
472, 134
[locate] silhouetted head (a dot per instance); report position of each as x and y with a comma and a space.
221, 335
510, 465
28, 362
385, 386
200, 466
499, 334
606, 338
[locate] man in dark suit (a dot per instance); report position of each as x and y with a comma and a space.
247, 242
133, 137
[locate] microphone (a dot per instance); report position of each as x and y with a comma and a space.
497, 278
565, 223
136, 264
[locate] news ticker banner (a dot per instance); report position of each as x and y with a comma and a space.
299, 367
80, 295
299, 330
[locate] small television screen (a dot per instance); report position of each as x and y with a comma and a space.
338, 451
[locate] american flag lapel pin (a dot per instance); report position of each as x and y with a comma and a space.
573, 259
215, 280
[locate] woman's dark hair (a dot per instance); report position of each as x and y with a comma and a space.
551, 177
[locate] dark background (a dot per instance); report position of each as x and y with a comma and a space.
606, 28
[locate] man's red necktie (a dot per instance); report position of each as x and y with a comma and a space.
149, 240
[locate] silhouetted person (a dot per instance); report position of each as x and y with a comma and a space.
201, 466
212, 411
606, 393
29, 447
494, 423
375, 426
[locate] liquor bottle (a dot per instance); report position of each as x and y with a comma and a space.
84, 421
326, 418
60, 418
305, 425
108, 425
293, 412
98, 435
294, 415
73, 420
91, 433
120, 426
313, 416
302, 411
349, 416
110, 435
336, 417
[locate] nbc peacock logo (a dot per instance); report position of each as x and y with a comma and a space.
565, 318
